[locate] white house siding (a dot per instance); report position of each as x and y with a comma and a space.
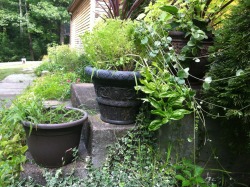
80, 22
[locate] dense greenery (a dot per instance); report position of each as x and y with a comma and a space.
228, 94
27, 26
111, 45
61, 58
54, 86
135, 159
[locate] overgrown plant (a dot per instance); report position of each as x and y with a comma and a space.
12, 147
54, 86
62, 58
197, 19
227, 96
169, 100
111, 45
168, 92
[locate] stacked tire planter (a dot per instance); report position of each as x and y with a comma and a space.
52, 145
117, 99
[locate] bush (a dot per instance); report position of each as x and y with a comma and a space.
64, 59
110, 45
229, 95
54, 86
231, 67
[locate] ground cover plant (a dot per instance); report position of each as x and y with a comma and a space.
127, 165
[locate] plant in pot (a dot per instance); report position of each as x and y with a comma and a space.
112, 53
52, 133
190, 25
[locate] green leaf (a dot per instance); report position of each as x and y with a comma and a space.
141, 16
191, 43
158, 112
145, 89
183, 73
179, 114
198, 171
208, 80
239, 72
165, 120
170, 9
155, 125
206, 85
199, 180
157, 43
144, 40
186, 183
154, 103
180, 81
180, 177
187, 173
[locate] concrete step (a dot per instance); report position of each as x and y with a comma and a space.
96, 136
101, 134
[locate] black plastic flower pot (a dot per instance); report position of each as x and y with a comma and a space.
118, 101
197, 69
52, 145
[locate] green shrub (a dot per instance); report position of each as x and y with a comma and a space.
228, 95
64, 59
110, 45
54, 86
12, 147
231, 67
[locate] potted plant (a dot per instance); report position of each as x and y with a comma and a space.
111, 51
52, 133
190, 25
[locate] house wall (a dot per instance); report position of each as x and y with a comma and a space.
84, 15
80, 22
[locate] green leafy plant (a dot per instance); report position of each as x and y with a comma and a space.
62, 58
12, 147
110, 45
227, 95
230, 69
189, 174
36, 112
169, 100
197, 19
54, 86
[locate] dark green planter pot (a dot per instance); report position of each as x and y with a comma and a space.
118, 101
51, 145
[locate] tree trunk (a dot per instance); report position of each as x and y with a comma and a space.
62, 28
31, 47
21, 15
29, 34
